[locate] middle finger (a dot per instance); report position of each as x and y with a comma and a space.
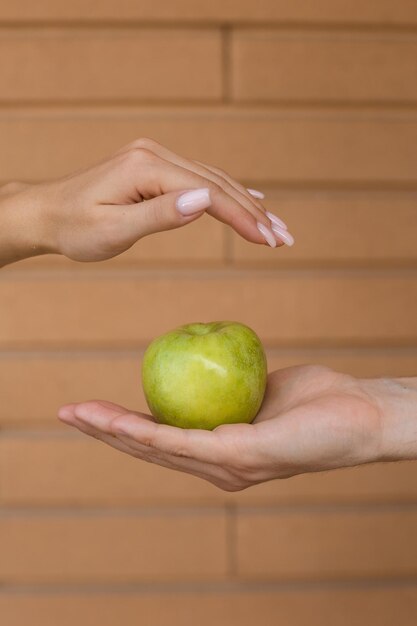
234, 189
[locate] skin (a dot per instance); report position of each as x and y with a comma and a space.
101, 211
204, 375
312, 419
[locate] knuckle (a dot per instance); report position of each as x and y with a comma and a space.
216, 190
179, 451
149, 443
145, 143
114, 425
143, 154
87, 408
181, 448
140, 156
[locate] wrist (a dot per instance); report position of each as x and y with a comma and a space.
23, 224
396, 401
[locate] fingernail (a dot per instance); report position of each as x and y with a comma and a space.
267, 234
256, 194
194, 201
283, 234
275, 220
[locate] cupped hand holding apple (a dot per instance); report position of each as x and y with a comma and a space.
312, 419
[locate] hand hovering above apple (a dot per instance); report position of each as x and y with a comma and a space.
312, 419
145, 188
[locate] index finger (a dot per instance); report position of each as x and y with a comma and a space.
200, 445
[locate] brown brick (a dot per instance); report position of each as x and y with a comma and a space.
130, 64
383, 482
297, 309
327, 544
339, 228
113, 548
258, 146
361, 363
330, 66
50, 470
33, 386
362, 606
60, 474
327, 11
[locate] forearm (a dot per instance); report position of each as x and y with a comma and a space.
397, 402
21, 224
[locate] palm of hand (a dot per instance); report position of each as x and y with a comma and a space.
312, 419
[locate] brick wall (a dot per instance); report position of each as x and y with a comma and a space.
315, 103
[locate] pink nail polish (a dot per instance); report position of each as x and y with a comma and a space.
267, 235
256, 194
194, 201
276, 220
283, 235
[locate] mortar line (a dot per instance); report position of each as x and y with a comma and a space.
226, 62
231, 531
365, 27
268, 586
122, 353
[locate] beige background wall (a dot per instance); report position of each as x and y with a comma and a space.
312, 102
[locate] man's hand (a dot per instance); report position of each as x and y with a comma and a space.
312, 419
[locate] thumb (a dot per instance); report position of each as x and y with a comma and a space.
168, 211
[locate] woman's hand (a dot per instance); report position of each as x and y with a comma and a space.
312, 419
100, 212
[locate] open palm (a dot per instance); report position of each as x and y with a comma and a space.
312, 419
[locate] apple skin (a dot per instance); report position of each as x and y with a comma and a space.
204, 375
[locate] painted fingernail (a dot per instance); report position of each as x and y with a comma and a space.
283, 234
256, 194
194, 201
275, 220
267, 235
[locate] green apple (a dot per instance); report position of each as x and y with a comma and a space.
204, 375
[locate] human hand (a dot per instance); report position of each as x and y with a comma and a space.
101, 211
312, 419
